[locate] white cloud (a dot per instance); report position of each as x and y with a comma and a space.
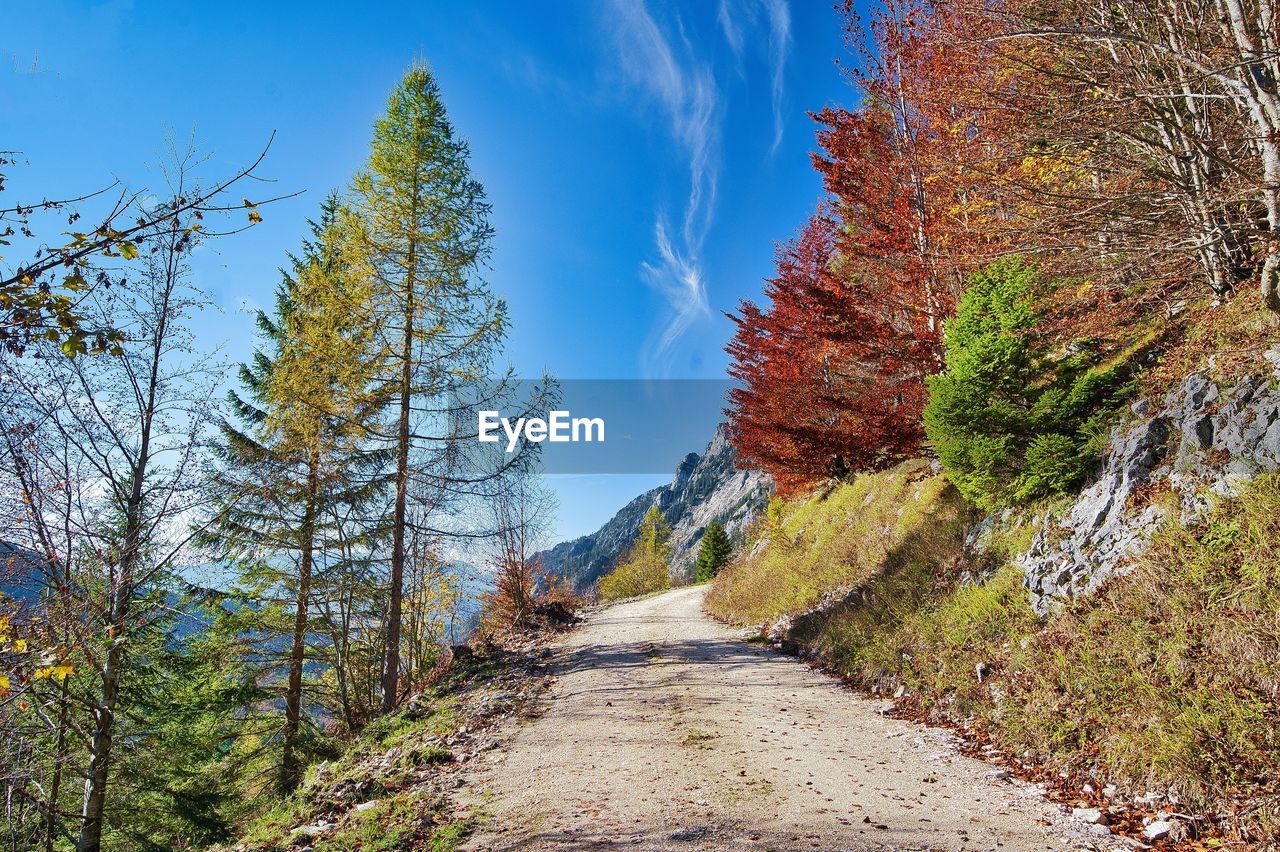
664, 66
731, 28
779, 15
685, 87
739, 21
680, 280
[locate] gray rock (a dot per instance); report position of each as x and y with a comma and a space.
1200, 439
1158, 830
1093, 816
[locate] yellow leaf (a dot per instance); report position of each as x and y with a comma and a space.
4, 684
255, 217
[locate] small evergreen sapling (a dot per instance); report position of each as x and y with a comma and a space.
1011, 418
713, 554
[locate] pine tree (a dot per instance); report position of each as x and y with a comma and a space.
713, 554
423, 225
301, 447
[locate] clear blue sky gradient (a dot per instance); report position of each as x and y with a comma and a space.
599, 129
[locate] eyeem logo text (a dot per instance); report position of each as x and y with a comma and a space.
559, 428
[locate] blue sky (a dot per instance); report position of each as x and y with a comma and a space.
642, 158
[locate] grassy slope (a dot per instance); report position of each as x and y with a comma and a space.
387, 791
841, 538
1167, 680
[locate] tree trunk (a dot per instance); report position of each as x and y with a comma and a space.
391, 666
1258, 41
122, 591
59, 757
290, 767
104, 714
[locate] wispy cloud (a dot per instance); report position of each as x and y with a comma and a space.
730, 27
739, 22
662, 63
779, 15
677, 276
669, 72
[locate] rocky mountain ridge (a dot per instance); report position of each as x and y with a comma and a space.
704, 488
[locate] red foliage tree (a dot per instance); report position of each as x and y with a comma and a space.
833, 369
817, 396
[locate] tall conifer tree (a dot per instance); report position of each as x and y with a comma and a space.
423, 223
300, 449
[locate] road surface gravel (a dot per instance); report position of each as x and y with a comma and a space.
664, 730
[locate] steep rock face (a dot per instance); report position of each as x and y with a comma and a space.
1201, 441
705, 487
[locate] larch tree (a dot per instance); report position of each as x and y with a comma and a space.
422, 223
300, 453
646, 566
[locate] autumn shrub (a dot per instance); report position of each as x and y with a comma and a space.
645, 568
636, 575
1012, 418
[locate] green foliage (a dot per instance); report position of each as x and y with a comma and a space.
1010, 420
839, 539
646, 566
713, 553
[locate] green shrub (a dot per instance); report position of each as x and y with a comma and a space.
1010, 420
646, 568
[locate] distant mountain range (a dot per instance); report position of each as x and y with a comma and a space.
706, 487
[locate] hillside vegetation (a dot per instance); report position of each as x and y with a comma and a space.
1165, 681
840, 538
387, 790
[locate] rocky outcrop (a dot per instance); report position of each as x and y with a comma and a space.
1200, 441
705, 487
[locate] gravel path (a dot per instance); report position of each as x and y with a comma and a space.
664, 731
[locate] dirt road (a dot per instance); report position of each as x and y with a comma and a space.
665, 731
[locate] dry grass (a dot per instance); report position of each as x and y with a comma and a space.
1170, 675
1234, 334
840, 539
